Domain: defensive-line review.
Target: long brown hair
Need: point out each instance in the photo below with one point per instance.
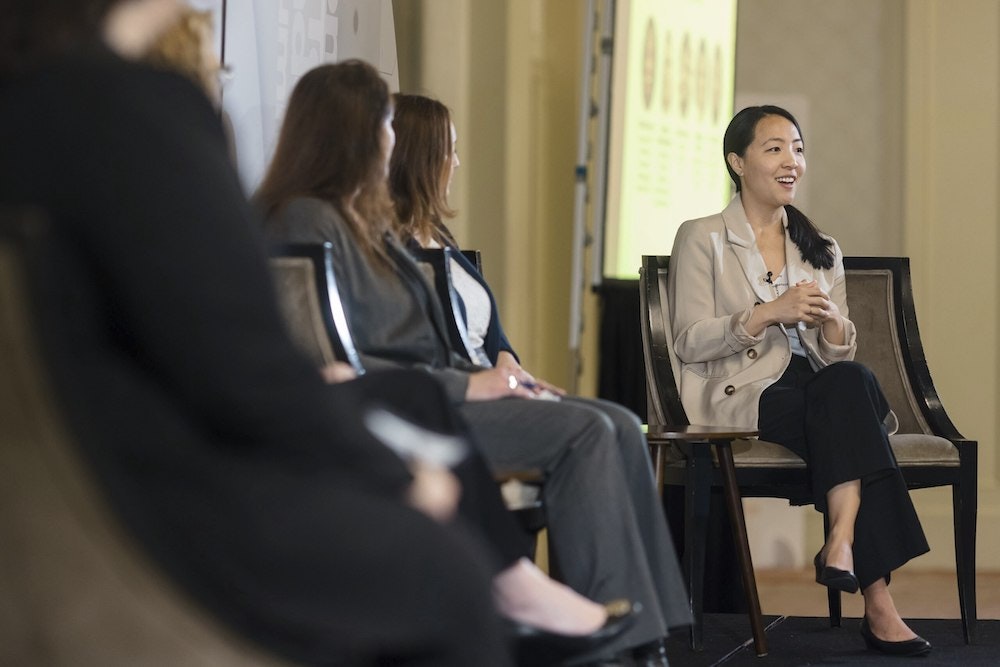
(418, 170)
(331, 147)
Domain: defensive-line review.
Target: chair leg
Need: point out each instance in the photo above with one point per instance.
(696, 505)
(735, 503)
(659, 461)
(832, 594)
(964, 508)
(833, 603)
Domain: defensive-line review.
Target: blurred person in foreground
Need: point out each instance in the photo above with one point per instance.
(249, 480)
(187, 46)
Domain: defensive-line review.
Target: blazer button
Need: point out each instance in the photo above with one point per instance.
(752, 353)
(730, 390)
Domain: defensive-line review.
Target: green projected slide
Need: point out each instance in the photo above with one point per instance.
(672, 99)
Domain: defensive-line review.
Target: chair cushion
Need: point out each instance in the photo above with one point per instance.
(911, 449)
(751, 453)
(918, 449)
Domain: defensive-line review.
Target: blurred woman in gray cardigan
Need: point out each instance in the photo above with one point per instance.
(607, 533)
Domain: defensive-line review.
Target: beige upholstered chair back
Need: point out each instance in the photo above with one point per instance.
(298, 297)
(873, 310)
(74, 588)
(310, 300)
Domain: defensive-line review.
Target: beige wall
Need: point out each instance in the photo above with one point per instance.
(952, 170)
(904, 159)
(509, 72)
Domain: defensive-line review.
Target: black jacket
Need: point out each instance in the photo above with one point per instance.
(251, 481)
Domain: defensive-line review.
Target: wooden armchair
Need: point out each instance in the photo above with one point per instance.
(311, 304)
(436, 264)
(928, 448)
(75, 589)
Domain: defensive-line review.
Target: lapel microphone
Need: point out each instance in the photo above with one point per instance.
(767, 278)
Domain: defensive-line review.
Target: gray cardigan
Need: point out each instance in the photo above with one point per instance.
(394, 315)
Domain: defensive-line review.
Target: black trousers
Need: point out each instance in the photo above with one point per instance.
(832, 418)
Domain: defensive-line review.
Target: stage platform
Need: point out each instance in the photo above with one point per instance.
(811, 641)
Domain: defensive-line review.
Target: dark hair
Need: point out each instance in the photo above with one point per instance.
(33, 31)
(814, 247)
(330, 147)
(418, 170)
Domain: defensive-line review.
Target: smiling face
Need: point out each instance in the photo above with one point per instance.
(773, 163)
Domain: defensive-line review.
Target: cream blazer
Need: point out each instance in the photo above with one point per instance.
(717, 276)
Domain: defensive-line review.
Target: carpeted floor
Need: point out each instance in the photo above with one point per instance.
(811, 641)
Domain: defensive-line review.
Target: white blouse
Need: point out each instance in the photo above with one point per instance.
(779, 285)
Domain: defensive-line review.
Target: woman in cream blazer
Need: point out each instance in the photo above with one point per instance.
(716, 265)
(758, 308)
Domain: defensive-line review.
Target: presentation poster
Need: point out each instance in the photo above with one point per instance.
(672, 99)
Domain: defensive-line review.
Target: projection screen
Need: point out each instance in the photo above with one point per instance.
(672, 98)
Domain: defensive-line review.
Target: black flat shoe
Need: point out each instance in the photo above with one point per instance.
(833, 577)
(911, 648)
(536, 647)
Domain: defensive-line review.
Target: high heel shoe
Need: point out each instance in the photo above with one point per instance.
(834, 577)
(910, 648)
(536, 647)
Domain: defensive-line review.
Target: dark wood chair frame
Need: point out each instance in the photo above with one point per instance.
(440, 260)
(696, 473)
(331, 304)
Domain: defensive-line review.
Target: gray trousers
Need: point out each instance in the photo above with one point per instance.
(608, 536)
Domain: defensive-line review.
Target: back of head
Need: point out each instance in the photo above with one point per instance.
(418, 170)
(35, 31)
(330, 145)
(186, 46)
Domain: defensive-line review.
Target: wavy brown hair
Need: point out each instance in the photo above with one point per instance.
(331, 148)
(418, 170)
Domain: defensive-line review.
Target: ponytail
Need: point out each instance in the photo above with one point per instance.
(813, 246)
